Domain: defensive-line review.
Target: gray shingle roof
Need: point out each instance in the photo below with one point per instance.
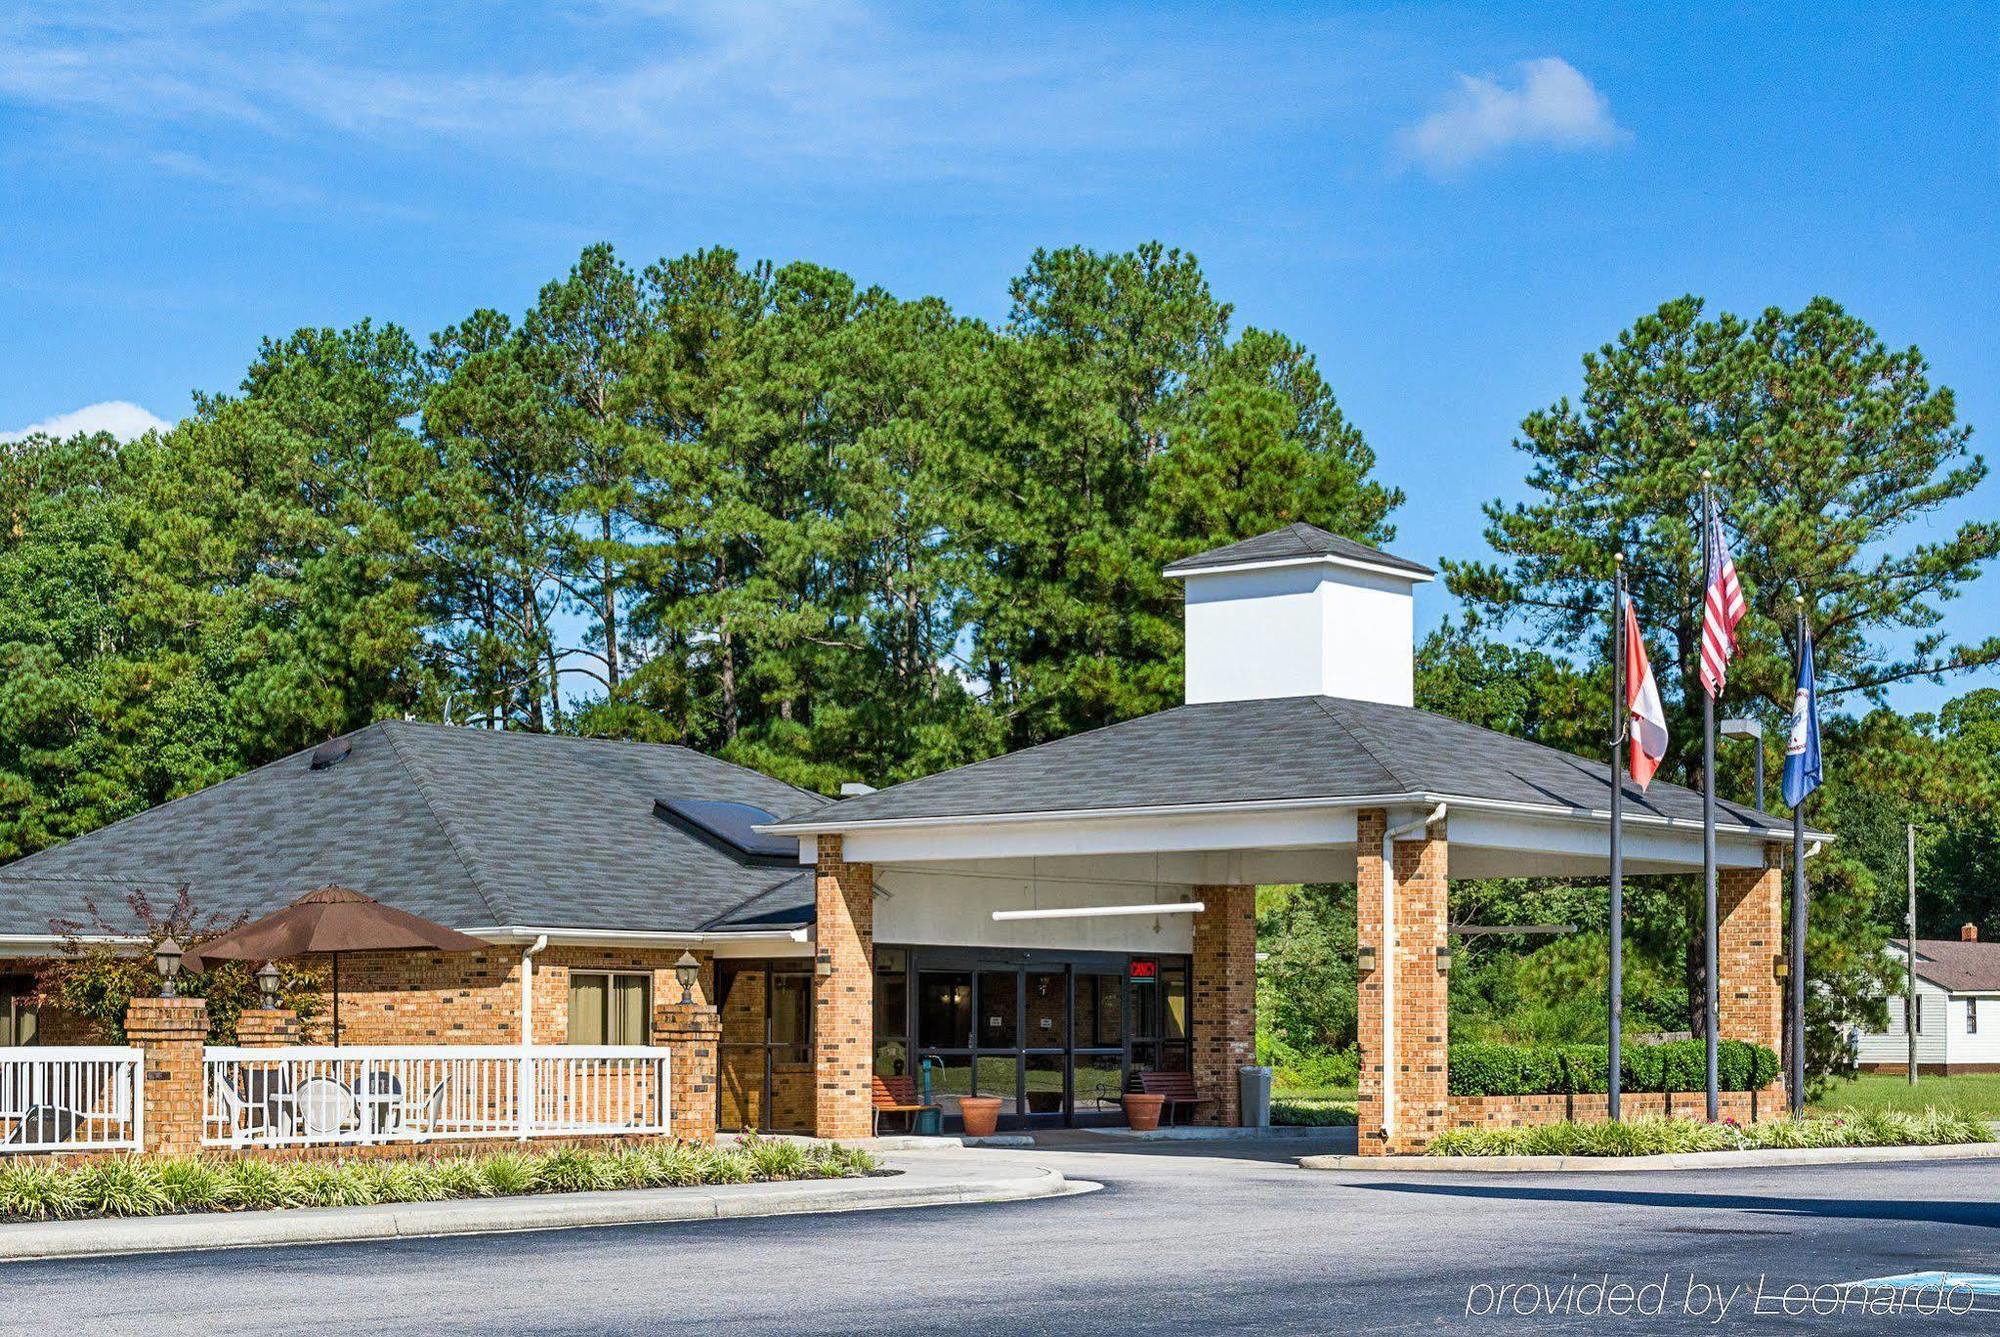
(1291, 543)
(1957, 966)
(467, 827)
(1301, 747)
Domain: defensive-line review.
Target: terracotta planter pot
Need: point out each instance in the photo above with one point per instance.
(980, 1113)
(1143, 1112)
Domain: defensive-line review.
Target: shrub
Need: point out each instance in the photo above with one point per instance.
(137, 1186)
(1586, 1068)
(1541, 1070)
(1317, 1071)
(1309, 1113)
(1654, 1137)
(1484, 1070)
(1679, 1065)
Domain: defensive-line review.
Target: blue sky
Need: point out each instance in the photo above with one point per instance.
(1449, 205)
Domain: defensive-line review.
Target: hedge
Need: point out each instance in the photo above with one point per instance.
(1653, 1137)
(1535, 1070)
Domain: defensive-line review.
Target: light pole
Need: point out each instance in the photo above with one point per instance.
(1910, 1013)
(1752, 729)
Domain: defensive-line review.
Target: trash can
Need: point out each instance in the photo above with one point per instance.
(930, 1120)
(1256, 1088)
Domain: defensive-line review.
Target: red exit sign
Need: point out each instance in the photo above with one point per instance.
(1145, 970)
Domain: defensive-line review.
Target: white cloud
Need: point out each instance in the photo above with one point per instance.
(122, 419)
(1550, 103)
(646, 91)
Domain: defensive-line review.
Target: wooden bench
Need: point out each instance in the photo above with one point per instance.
(897, 1095)
(1177, 1087)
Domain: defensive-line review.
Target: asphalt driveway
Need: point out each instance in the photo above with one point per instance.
(1183, 1237)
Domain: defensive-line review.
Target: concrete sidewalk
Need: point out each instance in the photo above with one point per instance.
(930, 1179)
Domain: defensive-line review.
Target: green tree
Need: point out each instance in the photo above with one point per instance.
(1826, 448)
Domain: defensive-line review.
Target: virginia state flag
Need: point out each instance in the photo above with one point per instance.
(1802, 770)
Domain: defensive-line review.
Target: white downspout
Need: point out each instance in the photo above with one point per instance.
(524, 1092)
(1387, 965)
(528, 989)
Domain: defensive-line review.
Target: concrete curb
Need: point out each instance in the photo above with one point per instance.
(551, 1211)
(1692, 1160)
(1322, 1132)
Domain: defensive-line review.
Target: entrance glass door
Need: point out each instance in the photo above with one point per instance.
(1045, 1044)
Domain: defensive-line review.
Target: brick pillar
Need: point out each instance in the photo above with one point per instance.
(1422, 1096)
(1749, 919)
(267, 1028)
(1224, 1002)
(843, 994)
(172, 1032)
(690, 1032)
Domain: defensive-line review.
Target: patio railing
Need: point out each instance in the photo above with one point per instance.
(70, 1098)
(315, 1095)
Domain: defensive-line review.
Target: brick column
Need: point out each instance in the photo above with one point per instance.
(690, 1032)
(267, 1028)
(1224, 1002)
(1422, 1096)
(172, 1032)
(843, 994)
(1749, 919)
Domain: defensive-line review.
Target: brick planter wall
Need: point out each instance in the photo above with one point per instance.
(1533, 1111)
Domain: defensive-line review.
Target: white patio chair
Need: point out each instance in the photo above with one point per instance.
(326, 1108)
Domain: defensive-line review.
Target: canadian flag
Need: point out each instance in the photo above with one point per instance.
(1642, 703)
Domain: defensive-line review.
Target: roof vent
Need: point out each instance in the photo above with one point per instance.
(1969, 933)
(331, 751)
(728, 827)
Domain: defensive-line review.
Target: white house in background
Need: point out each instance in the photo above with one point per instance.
(1958, 1009)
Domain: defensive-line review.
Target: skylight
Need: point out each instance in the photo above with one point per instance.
(727, 827)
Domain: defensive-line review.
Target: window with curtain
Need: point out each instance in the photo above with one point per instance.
(609, 1008)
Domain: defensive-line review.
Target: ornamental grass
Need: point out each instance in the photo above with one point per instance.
(1660, 1137)
(36, 1190)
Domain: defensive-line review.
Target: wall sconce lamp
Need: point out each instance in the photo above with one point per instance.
(1780, 967)
(687, 970)
(1444, 959)
(1364, 960)
(267, 983)
(167, 960)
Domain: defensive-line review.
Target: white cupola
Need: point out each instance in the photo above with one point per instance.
(1299, 612)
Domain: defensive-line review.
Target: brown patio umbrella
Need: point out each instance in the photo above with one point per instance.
(331, 920)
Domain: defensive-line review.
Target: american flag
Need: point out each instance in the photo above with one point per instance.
(1722, 608)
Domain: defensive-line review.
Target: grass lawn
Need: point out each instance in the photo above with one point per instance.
(1973, 1092)
(1318, 1106)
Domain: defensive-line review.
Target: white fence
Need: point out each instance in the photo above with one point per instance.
(70, 1098)
(315, 1095)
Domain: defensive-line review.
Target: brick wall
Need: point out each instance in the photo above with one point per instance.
(1421, 1000)
(416, 998)
(1223, 1005)
(1530, 1111)
(843, 994)
(1749, 916)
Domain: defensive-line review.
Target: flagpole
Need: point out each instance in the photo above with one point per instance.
(1623, 714)
(1798, 1073)
(1708, 820)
